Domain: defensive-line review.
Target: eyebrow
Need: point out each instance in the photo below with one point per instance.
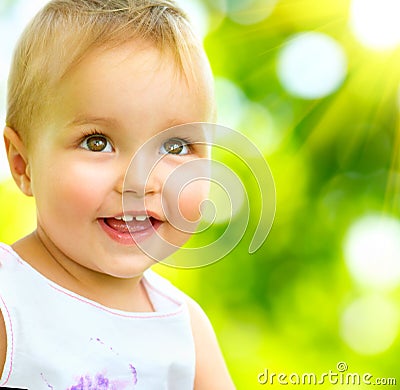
(82, 120)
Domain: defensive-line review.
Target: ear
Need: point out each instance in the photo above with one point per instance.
(18, 160)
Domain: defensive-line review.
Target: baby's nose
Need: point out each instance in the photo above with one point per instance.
(141, 176)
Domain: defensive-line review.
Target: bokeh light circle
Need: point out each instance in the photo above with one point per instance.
(372, 251)
(253, 119)
(375, 23)
(230, 102)
(312, 65)
(168, 243)
(369, 325)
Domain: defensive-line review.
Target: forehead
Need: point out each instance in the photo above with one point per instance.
(138, 78)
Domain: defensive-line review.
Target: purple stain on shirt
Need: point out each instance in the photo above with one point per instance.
(78, 386)
(100, 382)
(47, 383)
(98, 340)
(134, 372)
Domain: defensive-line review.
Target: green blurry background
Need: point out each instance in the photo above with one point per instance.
(323, 107)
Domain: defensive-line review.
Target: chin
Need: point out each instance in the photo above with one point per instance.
(129, 268)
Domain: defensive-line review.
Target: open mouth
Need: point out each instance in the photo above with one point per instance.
(129, 229)
(130, 224)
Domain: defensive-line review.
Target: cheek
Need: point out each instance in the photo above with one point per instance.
(183, 192)
(183, 211)
(72, 189)
(190, 199)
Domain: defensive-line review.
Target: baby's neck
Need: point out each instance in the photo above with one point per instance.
(126, 294)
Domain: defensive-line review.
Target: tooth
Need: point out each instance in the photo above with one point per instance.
(119, 218)
(127, 218)
(141, 218)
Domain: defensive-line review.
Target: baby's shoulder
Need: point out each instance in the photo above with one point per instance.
(163, 294)
(211, 370)
(11, 266)
(157, 283)
(8, 257)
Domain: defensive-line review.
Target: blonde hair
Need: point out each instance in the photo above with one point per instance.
(64, 31)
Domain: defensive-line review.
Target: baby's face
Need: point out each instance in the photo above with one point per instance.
(104, 111)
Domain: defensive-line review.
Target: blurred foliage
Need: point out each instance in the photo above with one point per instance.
(5, 5)
(336, 161)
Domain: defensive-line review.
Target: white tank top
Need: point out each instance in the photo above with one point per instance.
(59, 340)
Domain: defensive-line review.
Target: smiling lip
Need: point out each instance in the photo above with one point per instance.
(129, 233)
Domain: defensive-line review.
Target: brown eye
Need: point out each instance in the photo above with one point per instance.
(97, 143)
(175, 146)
